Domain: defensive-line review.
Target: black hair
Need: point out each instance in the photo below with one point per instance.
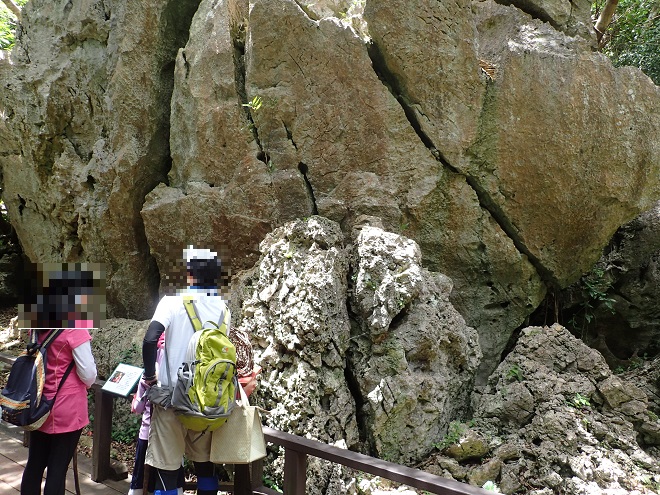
(205, 272)
(55, 305)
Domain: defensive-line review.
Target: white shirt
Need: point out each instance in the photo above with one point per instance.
(171, 313)
(85, 365)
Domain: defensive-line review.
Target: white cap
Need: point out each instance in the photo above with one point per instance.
(190, 253)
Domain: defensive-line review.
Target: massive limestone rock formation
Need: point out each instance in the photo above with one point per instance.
(87, 101)
(494, 136)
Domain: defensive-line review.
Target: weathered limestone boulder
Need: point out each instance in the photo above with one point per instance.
(296, 314)
(413, 358)
(384, 377)
(580, 429)
(647, 378)
(531, 156)
(87, 102)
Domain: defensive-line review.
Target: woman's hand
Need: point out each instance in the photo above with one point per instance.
(249, 382)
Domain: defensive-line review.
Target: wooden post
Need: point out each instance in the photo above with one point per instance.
(295, 472)
(242, 484)
(257, 473)
(102, 432)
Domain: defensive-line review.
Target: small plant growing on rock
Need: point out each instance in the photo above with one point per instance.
(515, 373)
(595, 287)
(454, 433)
(580, 401)
(491, 487)
(255, 103)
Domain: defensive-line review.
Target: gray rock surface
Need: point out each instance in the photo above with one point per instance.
(383, 377)
(136, 132)
(559, 422)
(119, 340)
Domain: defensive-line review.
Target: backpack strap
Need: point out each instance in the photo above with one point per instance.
(64, 377)
(192, 314)
(189, 304)
(44, 345)
(33, 346)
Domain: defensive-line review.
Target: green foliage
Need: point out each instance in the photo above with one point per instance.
(595, 287)
(633, 37)
(8, 25)
(633, 364)
(254, 104)
(515, 373)
(128, 431)
(491, 487)
(454, 433)
(580, 401)
(269, 483)
(130, 355)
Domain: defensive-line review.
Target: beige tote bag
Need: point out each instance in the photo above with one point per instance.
(240, 440)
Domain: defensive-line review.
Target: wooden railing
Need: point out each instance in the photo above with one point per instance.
(248, 478)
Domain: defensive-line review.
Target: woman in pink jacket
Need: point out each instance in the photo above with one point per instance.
(52, 446)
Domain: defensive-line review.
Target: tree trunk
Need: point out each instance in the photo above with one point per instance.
(605, 18)
(16, 10)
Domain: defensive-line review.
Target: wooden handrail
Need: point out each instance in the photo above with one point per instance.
(411, 477)
(247, 478)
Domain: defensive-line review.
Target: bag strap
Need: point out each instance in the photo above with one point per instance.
(189, 304)
(64, 377)
(33, 346)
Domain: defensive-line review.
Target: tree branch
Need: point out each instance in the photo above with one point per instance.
(16, 10)
(605, 18)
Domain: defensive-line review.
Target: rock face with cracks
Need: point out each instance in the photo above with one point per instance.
(493, 136)
(557, 420)
(384, 375)
(476, 129)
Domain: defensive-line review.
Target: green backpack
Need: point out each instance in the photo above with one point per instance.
(205, 391)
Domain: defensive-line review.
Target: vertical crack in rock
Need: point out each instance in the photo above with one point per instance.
(307, 11)
(310, 191)
(361, 416)
(174, 32)
(289, 135)
(485, 201)
(238, 35)
(185, 62)
(353, 355)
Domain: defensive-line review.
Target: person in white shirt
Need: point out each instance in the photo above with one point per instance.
(168, 438)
